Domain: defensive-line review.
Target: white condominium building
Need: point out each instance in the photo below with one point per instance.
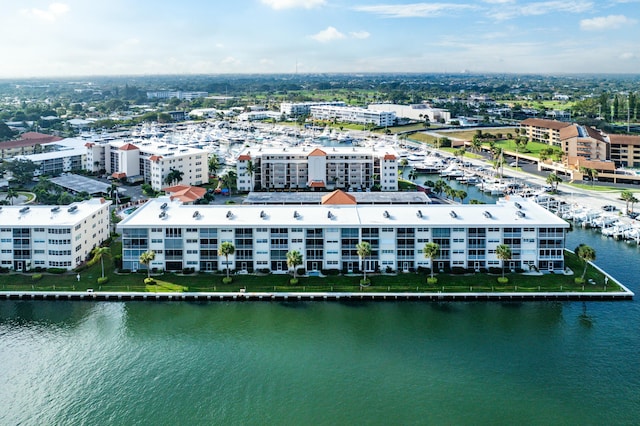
(52, 236)
(168, 94)
(189, 236)
(354, 115)
(148, 160)
(319, 169)
(295, 109)
(419, 112)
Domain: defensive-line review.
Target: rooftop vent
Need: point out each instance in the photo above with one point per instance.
(229, 214)
(164, 206)
(386, 214)
(518, 205)
(419, 214)
(453, 214)
(55, 209)
(296, 215)
(330, 215)
(24, 209)
(163, 215)
(263, 215)
(520, 214)
(487, 214)
(196, 214)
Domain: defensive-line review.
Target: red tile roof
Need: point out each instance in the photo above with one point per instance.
(317, 184)
(118, 175)
(389, 157)
(128, 147)
(185, 193)
(624, 140)
(155, 157)
(338, 197)
(39, 137)
(244, 157)
(317, 153)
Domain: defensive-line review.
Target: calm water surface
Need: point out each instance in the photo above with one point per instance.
(66, 363)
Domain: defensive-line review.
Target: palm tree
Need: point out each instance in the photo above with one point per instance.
(633, 200)
(11, 194)
(431, 251)
(251, 169)
(98, 254)
(503, 252)
(476, 145)
(586, 254)
(404, 162)
(553, 179)
(214, 164)
(294, 259)
(174, 176)
(462, 194)
(626, 195)
(364, 250)
(146, 258)
(226, 249)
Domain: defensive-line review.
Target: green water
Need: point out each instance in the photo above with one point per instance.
(71, 363)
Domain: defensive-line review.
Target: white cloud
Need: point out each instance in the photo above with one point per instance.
(53, 12)
(230, 60)
(290, 4)
(359, 34)
(610, 22)
(327, 35)
(414, 10)
(540, 8)
(627, 55)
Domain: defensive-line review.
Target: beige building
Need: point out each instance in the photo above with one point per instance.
(304, 168)
(583, 142)
(625, 150)
(541, 130)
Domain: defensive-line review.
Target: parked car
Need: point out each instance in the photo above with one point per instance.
(609, 208)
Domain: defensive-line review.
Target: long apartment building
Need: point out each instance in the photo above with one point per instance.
(147, 160)
(583, 143)
(354, 115)
(188, 236)
(542, 130)
(51, 236)
(296, 109)
(307, 168)
(625, 150)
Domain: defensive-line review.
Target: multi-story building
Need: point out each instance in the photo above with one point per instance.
(57, 157)
(189, 236)
(625, 150)
(168, 94)
(29, 143)
(354, 115)
(147, 160)
(304, 168)
(584, 143)
(296, 109)
(419, 112)
(52, 236)
(542, 130)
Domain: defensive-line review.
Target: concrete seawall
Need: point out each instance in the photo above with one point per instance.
(315, 296)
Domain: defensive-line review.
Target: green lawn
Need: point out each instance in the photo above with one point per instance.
(402, 282)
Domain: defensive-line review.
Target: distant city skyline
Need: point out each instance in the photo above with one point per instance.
(119, 37)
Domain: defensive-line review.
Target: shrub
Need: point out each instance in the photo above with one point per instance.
(578, 280)
(36, 277)
(388, 269)
(364, 282)
(432, 281)
(56, 270)
(149, 281)
(103, 280)
(227, 280)
(503, 280)
(264, 270)
(125, 271)
(293, 281)
(187, 271)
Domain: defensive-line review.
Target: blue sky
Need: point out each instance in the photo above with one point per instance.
(107, 37)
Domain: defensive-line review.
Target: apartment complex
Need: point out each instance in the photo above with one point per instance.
(52, 236)
(57, 157)
(354, 115)
(308, 168)
(625, 150)
(420, 112)
(188, 236)
(168, 94)
(297, 109)
(29, 143)
(147, 160)
(583, 143)
(542, 130)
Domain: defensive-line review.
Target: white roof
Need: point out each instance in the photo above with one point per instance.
(155, 147)
(68, 147)
(503, 214)
(50, 216)
(329, 150)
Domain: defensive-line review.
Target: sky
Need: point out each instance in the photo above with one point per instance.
(42, 38)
